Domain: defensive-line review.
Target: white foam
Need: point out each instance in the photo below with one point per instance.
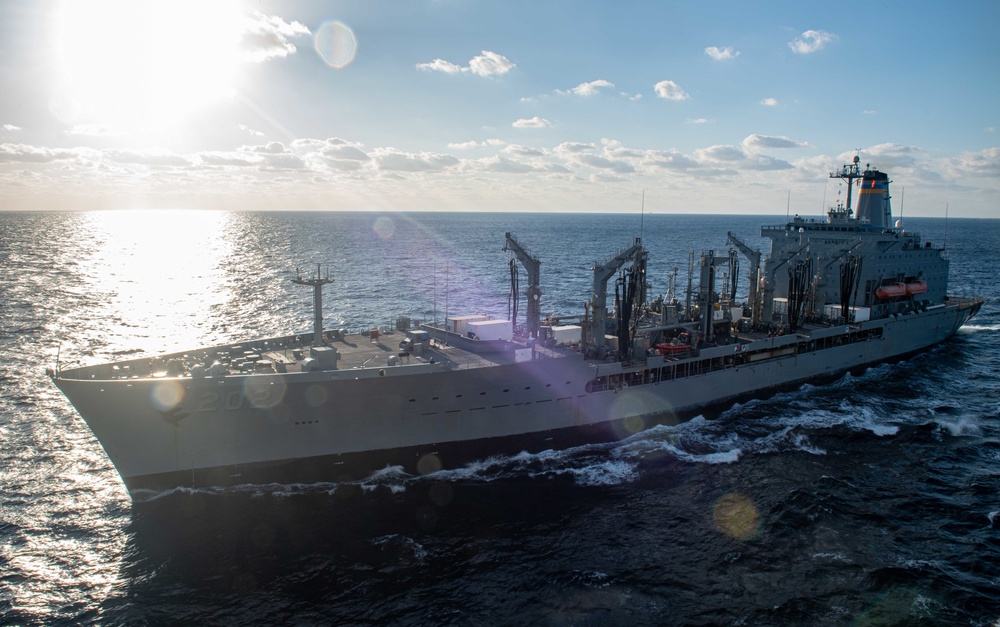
(959, 426)
(720, 457)
(802, 443)
(973, 328)
(603, 474)
(837, 557)
(392, 477)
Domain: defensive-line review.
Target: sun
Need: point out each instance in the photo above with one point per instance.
(132, 65)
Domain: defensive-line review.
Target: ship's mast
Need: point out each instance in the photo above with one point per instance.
(317, 284)
(849, 173)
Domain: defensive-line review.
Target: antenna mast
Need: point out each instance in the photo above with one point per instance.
(849, 173)
(317, 284)
(945, 246)
(642, 213)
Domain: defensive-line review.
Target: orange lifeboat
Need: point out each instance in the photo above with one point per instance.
(672, 349)
(916, 287)
(892, 290)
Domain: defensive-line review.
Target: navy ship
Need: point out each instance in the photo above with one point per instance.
(830, 296)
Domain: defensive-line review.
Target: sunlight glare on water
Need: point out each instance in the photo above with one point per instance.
(156, 271)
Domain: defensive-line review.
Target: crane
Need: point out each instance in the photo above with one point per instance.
(753, 256)
(599, 293)
(534, 292)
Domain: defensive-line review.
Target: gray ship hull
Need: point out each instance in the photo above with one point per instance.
(330, 425)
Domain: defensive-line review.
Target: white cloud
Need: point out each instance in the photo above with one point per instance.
(505, 173)
(615, 165)
(669, 160)
(721, 54)
(989, 129)
(719, 153)
(523, 151)
(247, 129)
(605, 178)
(633, 97)
(869, 112)
(888, 156)
(391, 159)
(983, 163)
(670, 91)
(698, 121)
(763, 163)
(811, 41)
(469, 145)
(21, 153)
(273, 148)
(486, 64)
(505, 166)
(613, 148)
(92, 130)
(282, 161)
(591, 88)
(11, 127)
(153, 158)
(222, 158)
(490, 64)
(440, 65)
(268, 37)
(574, 147)
(769, 102)
(349, 152)
(753, 143)
(534, 122)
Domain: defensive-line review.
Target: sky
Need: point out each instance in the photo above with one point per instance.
(475, 105)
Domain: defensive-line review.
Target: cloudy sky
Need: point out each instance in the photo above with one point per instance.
(476, 105)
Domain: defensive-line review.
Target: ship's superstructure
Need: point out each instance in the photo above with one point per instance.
(831, 295)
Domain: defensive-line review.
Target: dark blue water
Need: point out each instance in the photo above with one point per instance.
(872, 500)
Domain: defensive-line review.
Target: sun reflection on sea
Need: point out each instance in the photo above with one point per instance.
(157, 274)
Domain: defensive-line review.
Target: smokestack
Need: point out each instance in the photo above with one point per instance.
(873, 199)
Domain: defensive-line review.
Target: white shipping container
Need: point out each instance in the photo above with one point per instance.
(567, 334)
(459, 324)
(857, 314)
(491, 329)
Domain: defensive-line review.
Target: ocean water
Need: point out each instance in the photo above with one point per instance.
(871, 500)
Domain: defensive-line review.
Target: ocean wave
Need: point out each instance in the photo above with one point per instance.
(960, 426)
(977, 328)
(403, 550)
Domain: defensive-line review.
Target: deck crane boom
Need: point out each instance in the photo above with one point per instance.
(599, 293)
(753, 256)
(534, 292)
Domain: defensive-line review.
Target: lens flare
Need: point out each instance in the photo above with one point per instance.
(167, 394)
(428, 464)
(384, 227)
(315, 395)
(640, 409)
(264, 392)
(335, 44)
(736, 516)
